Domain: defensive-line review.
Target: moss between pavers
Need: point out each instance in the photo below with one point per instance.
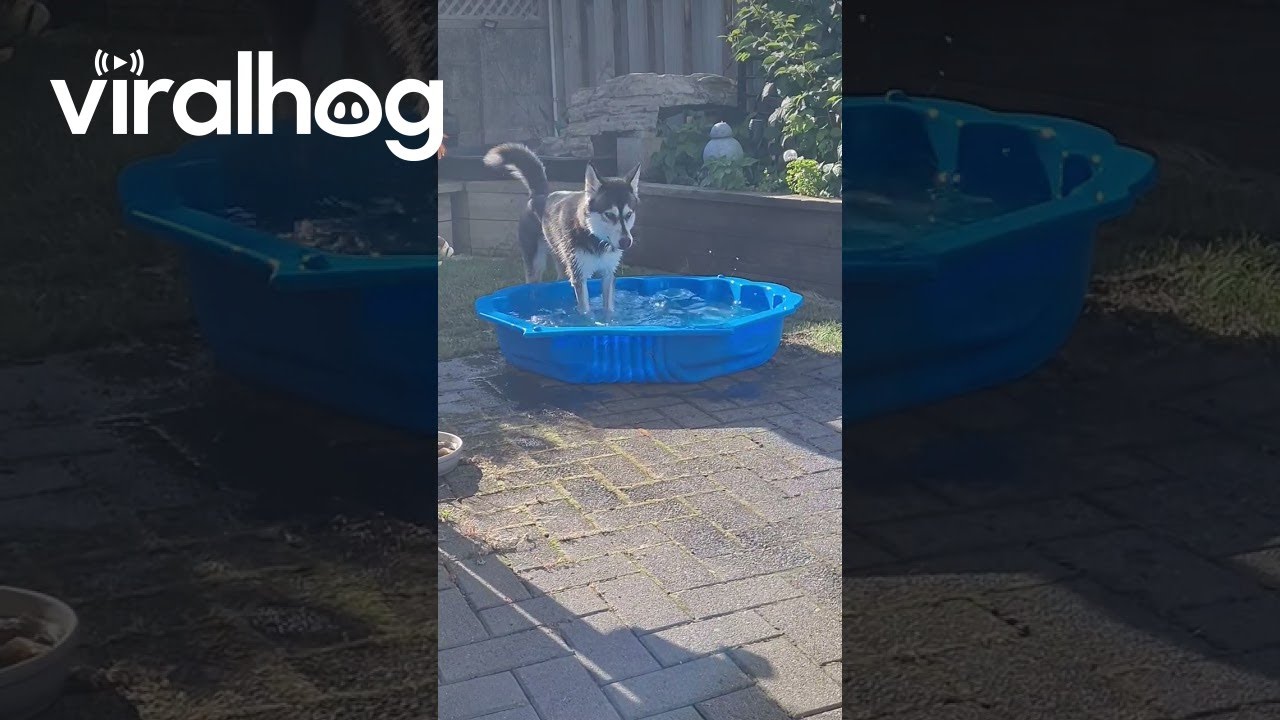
(205, 628)
(203, 671)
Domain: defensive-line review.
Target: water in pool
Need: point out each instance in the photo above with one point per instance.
(672, 308)
(373, 226)
(876, 221)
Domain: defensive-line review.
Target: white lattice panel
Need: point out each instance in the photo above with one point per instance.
(496, 9)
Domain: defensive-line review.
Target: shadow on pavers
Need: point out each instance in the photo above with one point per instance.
(1117, 509)
(200, 617)
(267, 629)
(778, 420)
(570, 654)
(314, 459)
(228, 553)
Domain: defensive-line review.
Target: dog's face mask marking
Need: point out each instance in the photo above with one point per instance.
(611, 204)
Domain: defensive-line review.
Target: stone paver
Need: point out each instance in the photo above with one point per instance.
(747, 704)
(642, 603)
(687, 713)
(659, 505)
(487, 584)
(787, 677)
(521, 713)
(499, 654)
(459, 624)
(677, 569)
(579, 574)
(481, 697)
(704, 637)
(672, 688)
(805, 624)
(562, 690)
(728, 597)
(608, 648)
(553, 609)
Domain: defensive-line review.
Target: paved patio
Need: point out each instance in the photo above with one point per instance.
(230, 555)
(236, 555)
(667, 552)
(1100, 541)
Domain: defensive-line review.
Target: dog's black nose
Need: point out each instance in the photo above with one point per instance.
(624, 242)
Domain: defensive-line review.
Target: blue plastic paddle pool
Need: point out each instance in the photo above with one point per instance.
(665, 329)
(282, 235)
(968, 243)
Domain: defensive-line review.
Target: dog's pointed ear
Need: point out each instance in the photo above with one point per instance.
(593, 180)
(633, 179)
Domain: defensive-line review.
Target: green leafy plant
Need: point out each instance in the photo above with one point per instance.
(797, 44)
(810, 177)
(804, 176)
(679, 160)
(725, 173)
(770, 180)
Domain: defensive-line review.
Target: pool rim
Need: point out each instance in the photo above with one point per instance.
(487, 309)
(1120, 175)
(150, 199)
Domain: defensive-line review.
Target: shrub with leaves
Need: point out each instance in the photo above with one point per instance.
(723, 173)
(797, 44)
(679, 160)
(804, 177)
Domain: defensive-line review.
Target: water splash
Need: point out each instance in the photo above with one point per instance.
(944, 136)
(1054, 159)
(672, 308)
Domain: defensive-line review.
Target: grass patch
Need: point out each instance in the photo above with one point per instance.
(1229, 286)
(1203, 248)
(463, 279)
(816, 325)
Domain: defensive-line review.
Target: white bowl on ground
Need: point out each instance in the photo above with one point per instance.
(31, 686)
(445, 463)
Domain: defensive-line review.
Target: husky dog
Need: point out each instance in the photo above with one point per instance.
(586, 230)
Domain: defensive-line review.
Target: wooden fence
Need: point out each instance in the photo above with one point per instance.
(503, 60)
(495, 62)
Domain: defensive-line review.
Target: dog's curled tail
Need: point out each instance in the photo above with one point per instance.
(523, 165)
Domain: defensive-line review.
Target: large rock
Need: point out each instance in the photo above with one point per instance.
(566, 146)
(630, 103)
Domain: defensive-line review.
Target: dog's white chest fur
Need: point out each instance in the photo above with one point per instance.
(593, 264)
